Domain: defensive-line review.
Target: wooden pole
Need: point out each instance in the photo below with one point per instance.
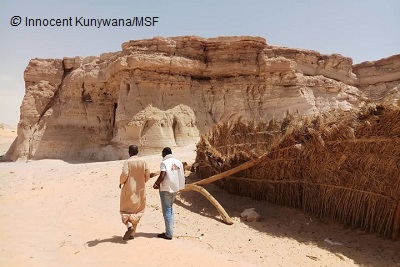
(227, 173)
(241, 167)
(396, 223)
(195, 186)
(204, 192)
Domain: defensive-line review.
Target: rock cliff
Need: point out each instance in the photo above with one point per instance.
(167, 91)
(380, 80)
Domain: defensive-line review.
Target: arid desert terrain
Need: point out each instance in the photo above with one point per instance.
(58, 213)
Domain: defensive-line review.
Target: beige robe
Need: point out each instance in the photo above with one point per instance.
(135, 174)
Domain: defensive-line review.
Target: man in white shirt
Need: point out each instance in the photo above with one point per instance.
(169, 182)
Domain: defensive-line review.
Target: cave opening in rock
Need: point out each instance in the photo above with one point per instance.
(114, 113)
(174, 127)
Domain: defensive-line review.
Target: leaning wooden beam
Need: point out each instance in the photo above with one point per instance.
(195, 186)
(204, 192)
(241, 167)
(230, 172)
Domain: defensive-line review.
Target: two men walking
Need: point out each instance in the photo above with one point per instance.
(135, 174)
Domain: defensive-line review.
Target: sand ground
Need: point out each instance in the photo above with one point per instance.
(58, 213)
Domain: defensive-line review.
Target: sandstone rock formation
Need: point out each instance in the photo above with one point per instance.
(166, 91)
(380, 80)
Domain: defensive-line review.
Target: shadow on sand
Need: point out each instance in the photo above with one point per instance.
(115, 239)
(282, 222)
(118, 239)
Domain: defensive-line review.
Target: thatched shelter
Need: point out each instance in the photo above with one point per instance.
(340, 165)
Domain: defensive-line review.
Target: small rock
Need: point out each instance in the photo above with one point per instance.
(250, 215)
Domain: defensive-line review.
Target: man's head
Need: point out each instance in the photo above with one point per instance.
(166, 151)
(133, 150)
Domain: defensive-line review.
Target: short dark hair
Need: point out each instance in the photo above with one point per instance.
(133, 150)
(166, 151)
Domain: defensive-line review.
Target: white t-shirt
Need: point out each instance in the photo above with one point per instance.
(174, 179)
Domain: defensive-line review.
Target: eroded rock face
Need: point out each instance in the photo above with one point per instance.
(167, 91)
(380, 80)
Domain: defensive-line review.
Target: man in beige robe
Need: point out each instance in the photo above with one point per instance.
(135, 174)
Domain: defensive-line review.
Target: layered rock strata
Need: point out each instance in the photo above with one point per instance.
(167, 91)
(380, 80)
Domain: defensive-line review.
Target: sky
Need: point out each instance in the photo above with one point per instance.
(362, 30)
